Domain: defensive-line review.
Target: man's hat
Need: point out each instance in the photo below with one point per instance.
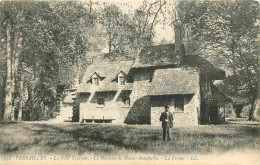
(166, 106)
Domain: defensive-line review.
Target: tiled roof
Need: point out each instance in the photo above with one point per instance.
(152, 56)
(109, 71)
(158, 55)
(174, 81)
(205, 66)
(165, 55)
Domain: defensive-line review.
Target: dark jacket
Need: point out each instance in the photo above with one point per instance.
(164, 116)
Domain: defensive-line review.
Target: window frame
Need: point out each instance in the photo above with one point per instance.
(124, 100)
(179, 103)
(120, 82)
(96, 83)
(100, 105)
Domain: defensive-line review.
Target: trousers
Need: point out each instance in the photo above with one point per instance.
(166, 131)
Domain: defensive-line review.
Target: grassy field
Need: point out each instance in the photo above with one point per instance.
(46, 138)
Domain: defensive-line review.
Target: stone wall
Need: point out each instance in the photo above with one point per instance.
(188, 117)
(140, 111)
(113, 109)
(191, 111)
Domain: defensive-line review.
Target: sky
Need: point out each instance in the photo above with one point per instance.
(162, 32)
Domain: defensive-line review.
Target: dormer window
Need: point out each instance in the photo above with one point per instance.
(121, 79)
(95, 79)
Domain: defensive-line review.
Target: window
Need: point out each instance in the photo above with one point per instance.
(126, 101)
(101, 101)
(121, 80)
(96, 81)
(179, 103)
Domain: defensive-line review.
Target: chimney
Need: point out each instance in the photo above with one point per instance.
(179, 48)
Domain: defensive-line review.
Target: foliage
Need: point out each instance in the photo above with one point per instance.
(229, 30)
(53, 38)
(128, 33)
(117, 29)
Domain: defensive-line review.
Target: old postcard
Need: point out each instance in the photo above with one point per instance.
(129, 82)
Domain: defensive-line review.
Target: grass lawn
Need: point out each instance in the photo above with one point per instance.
(46, 138)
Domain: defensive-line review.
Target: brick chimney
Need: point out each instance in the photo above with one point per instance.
(179, 47)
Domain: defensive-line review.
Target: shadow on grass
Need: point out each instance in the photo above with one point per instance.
(3, 124)
(95, 138)
(13, 147)
(114, 139)
(249, 131)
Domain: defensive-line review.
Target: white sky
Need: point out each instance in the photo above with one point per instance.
(128, 6)
(162, 31)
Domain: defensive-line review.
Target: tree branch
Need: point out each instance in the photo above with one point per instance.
(147, 15)
(154, 18)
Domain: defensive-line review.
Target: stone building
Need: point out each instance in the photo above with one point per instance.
(135, 92)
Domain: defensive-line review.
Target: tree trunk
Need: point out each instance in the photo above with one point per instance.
(8, 114)
(16, 78)
(257, 106)
(252, 109)
(257, 109)
(21, 99)
(2, 90)
(12, 54)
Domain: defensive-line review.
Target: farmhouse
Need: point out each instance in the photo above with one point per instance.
(135, 92)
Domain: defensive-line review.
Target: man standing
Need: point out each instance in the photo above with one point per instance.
(166, 119)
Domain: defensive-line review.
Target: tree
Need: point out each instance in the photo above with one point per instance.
(228, 29)
(145, 18)
(62, 41)
(2, 84)
(128, 33)
(11, 19)
(40, 40)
